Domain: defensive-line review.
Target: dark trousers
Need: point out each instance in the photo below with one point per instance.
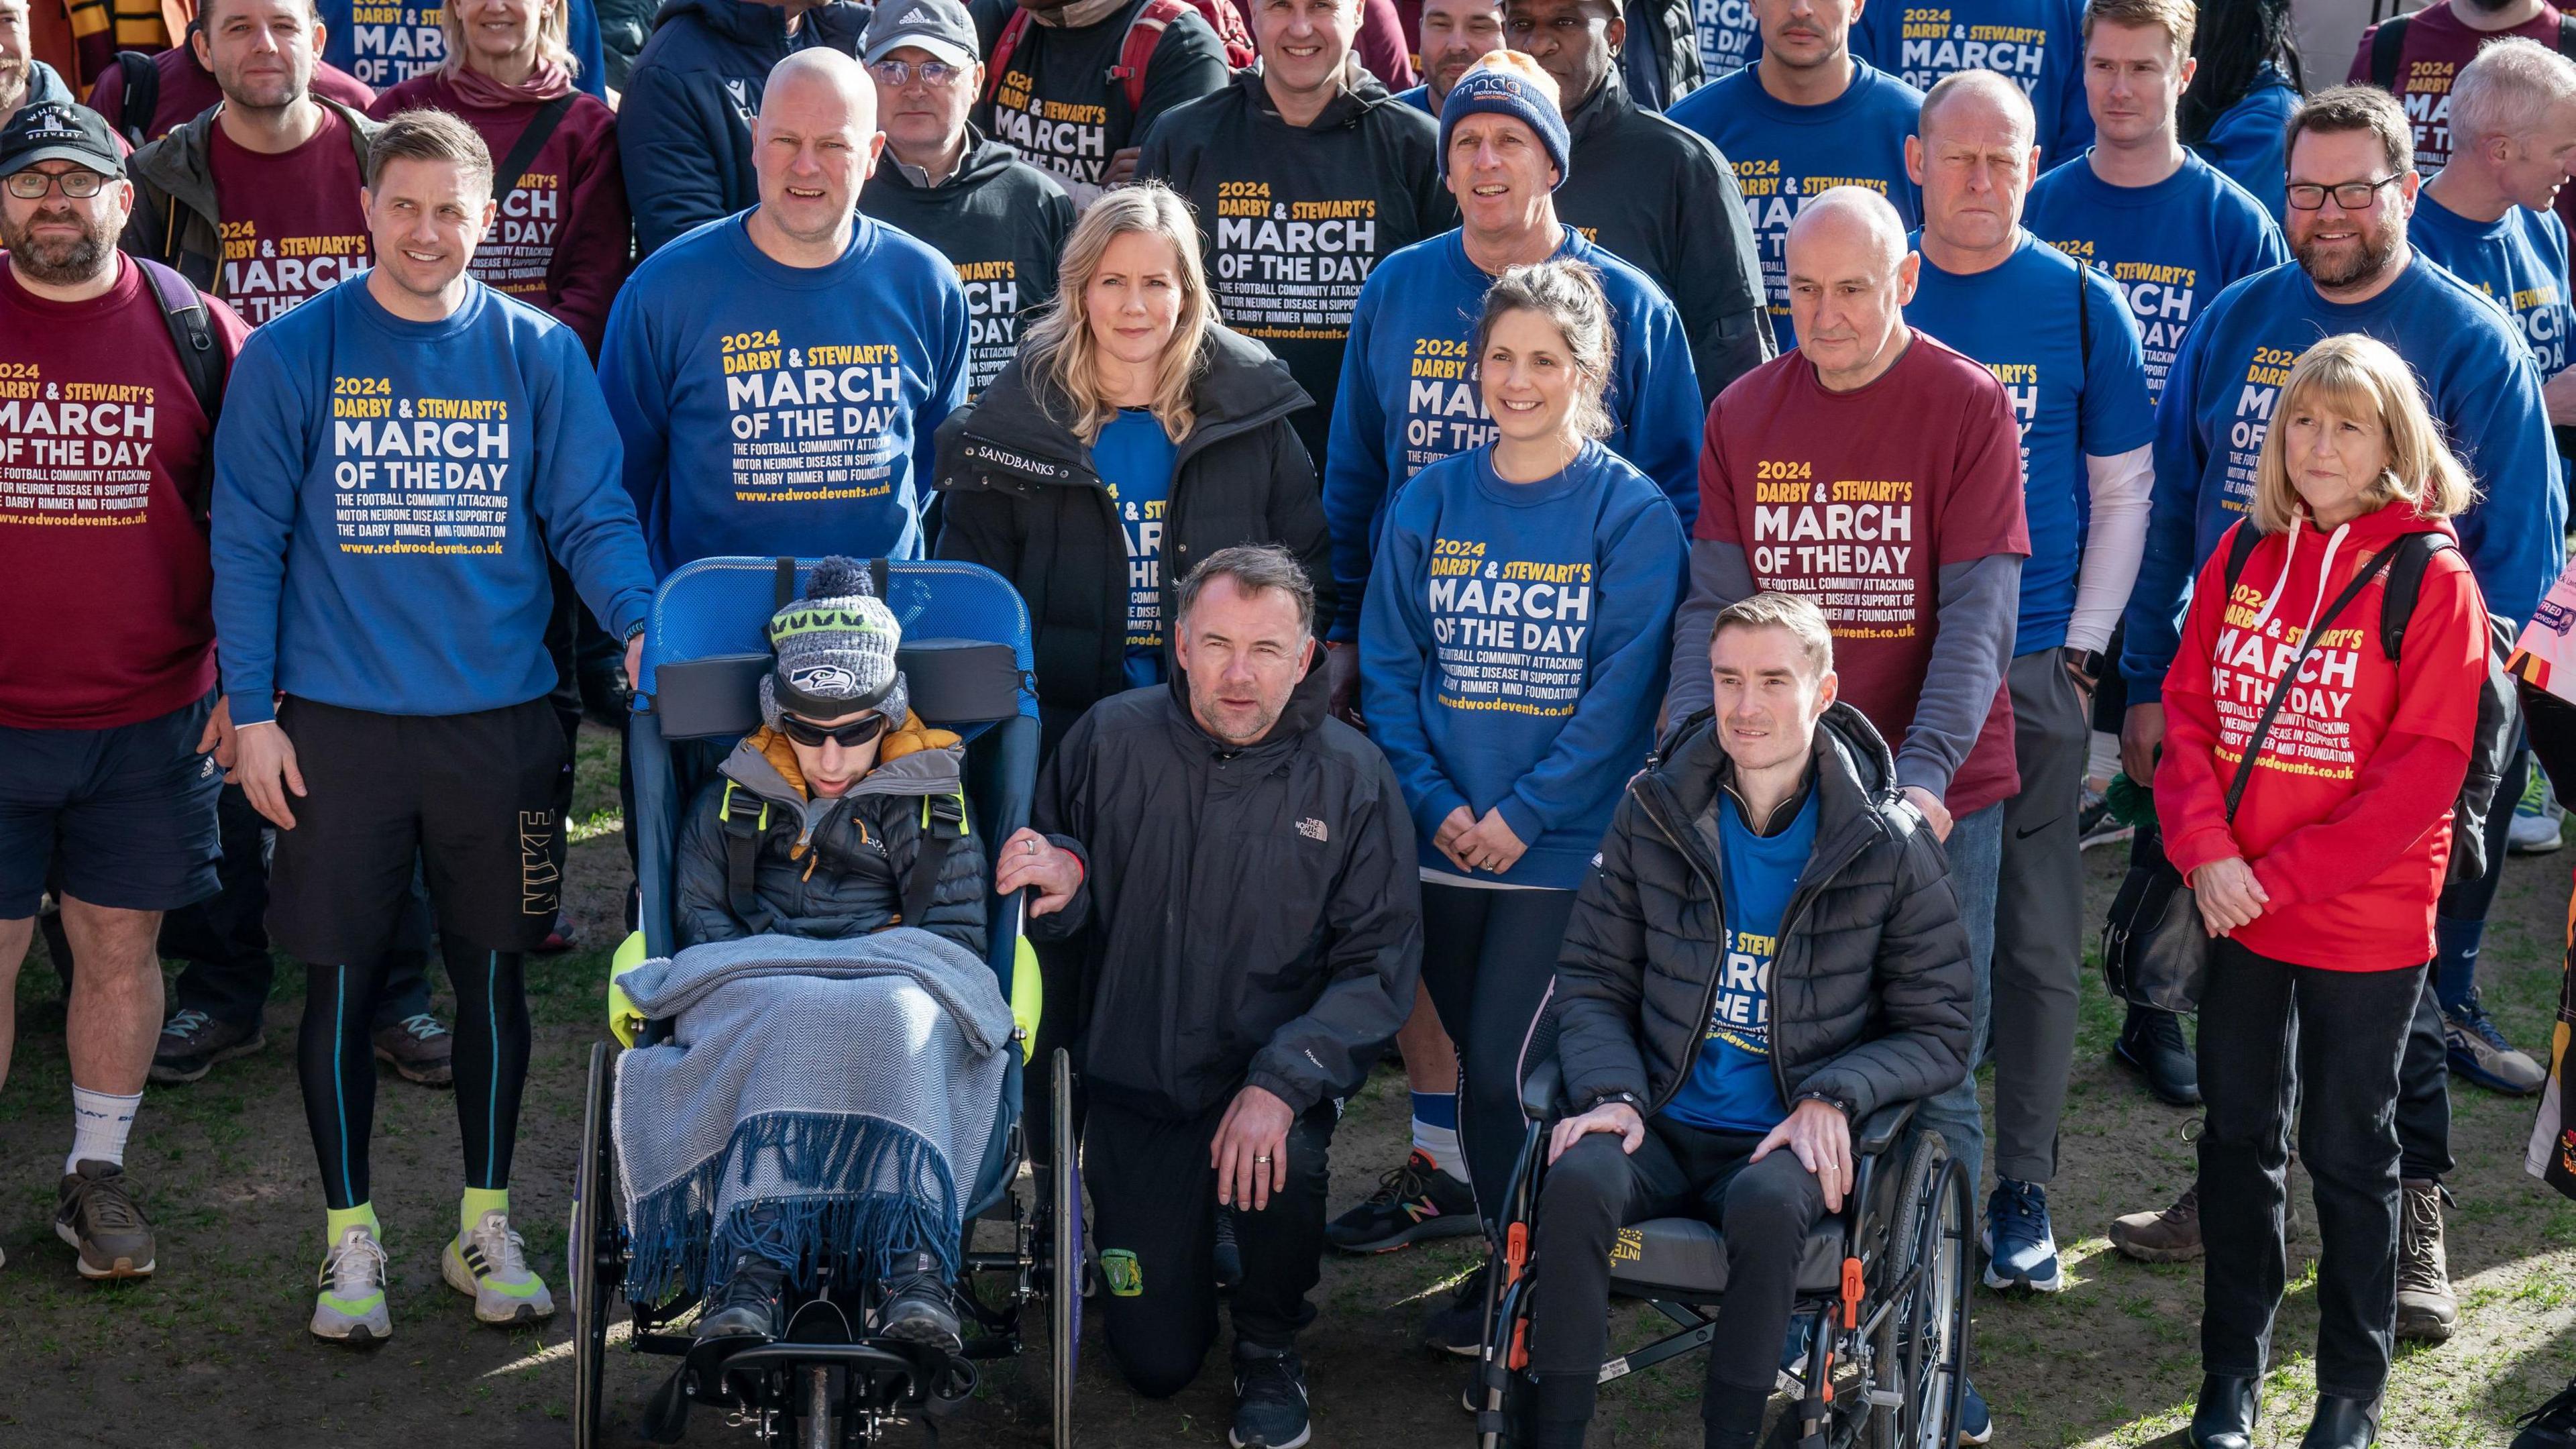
(1488, 958)
(1765, 1208)
(1153, 1219)
(2350, 1032)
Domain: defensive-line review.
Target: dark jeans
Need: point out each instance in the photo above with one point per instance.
(2350, 1032)
(1488, 959)
(1153, 1218)
(1765, 1209)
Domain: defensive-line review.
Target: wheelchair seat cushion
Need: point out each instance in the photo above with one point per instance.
(1685, 1258)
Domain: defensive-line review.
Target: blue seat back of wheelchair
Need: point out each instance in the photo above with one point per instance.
(714, 610)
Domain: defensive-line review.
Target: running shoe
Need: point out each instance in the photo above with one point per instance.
(1269, 1399)
(489, 1263)
(1413, 1203)
(2020, 1250)
(1458, 1326)
(751, 1303)
(2095, 825)
(419, 1048)
(2151, 1044)
(350, 1306)
(2536, 818)
(1976, 1423)
(2480, 1053)
(193, 1044)
(95, 1213)
(2552, 1425)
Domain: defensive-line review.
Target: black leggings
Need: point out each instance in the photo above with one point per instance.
(1488, 958)
(335, 1059)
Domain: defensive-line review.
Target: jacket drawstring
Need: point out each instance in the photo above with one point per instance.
(2280, 584)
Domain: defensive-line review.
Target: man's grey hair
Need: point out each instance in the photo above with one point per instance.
(2510, 89)
(1254, 567)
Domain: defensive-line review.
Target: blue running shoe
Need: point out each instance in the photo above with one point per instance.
(1976, 1426)
(2020, 1251)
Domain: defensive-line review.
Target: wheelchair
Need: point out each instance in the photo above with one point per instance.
(1882, 1290)
(825, 1384)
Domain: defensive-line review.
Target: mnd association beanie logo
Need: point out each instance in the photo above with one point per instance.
(1488, 92)
(835, 650)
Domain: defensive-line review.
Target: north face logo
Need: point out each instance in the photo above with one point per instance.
(1312, 829)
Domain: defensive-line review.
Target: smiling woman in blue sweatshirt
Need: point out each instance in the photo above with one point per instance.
(1513, 652)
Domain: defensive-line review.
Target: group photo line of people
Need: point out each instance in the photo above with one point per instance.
(1616, 556)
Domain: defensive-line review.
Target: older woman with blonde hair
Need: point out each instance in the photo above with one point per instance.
(2306, 792)
(1133, 435)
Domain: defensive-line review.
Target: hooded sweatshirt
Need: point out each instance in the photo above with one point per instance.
(684, 121)
(2347, 817)
(184, 89)
(1057, 102)
(561, 239)
(1293, 219)
(384, 45)
(1000, 221)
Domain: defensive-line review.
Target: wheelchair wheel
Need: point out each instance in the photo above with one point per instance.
(1920, 1361)
(1064, 1287)
(591, 1267)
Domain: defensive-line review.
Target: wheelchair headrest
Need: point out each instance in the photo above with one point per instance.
(953, 682)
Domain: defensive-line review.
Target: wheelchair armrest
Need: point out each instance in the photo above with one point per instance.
(1543, 1090)
(1878, 1131)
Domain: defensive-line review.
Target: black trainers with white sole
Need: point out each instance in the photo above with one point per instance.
(1269, 1399)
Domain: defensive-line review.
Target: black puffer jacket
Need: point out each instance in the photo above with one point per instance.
(1869, 988)
(1022, 499)
(1248, 916)
(830, 869)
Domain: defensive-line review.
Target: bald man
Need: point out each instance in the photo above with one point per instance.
(777, 375)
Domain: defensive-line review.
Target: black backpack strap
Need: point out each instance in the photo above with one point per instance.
(2408, 558)
(746, 819)
(943, 824)
(523, 152)
(140, 81)
(877, 582)
(2240, 547)
(2387, 44)
(201, 356)
(2290, 675)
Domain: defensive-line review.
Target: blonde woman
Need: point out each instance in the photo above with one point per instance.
(2317, 883)
(1133, 436)
(560, 242)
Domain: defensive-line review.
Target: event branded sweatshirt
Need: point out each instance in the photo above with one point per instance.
(102, 482)
(1057, 101)
(1784, 155)
(1731, 1087)
(1730, 39)
(1294, 218)
(386, 44)
(2480, 380)
(560, 241)
(183, 89)
(264, 232)
(387, 493)
(1000, 222)
(2036, 44)
(2437, 45)
(2249, 140)
(1409, 396)
(771, 409)
(2169, 248)
(1514, 650)
(2077, 386)
(2346, 819)
(2518, 260)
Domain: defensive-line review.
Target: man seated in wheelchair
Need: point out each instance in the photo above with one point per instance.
(833, 1080)
(1722, 1079)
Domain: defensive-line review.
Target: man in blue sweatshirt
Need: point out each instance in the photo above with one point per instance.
(778, 376)
(396, 461)
(2352, 183)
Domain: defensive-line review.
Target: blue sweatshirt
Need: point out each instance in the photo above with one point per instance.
(1729, 37)
(2170, 248)
(1409, 395)
(2019, 319)
(770, 409)
(2484, 390)
(1731, 1087)
(1514, 649)
(1419, 98)
(2247, 141)
(383, 52)
(2038, 44)
(1785, 154)
(386, 493)
(2519, 261)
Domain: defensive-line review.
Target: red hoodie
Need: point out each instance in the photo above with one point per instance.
(2347, 819)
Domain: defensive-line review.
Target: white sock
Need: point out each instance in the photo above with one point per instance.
(1440, 1144)
(100, 1123)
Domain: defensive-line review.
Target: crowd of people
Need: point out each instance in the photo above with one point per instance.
(1745, 499)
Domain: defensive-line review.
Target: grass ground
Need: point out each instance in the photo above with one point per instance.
(212, 1351)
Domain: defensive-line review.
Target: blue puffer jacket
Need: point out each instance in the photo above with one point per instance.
(684, 124)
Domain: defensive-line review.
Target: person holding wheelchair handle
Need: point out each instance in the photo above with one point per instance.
(1767, 952)
(2317, 867)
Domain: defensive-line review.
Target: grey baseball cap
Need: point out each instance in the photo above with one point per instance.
(941, 27)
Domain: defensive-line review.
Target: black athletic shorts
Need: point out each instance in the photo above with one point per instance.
(471, 795)
(125, 815)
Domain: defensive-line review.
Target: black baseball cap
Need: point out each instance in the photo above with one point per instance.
(52, 131)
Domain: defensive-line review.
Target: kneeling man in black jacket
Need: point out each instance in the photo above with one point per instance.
(1767, 952)
(1236, 871)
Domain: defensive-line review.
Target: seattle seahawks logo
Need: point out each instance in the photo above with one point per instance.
(825, 679)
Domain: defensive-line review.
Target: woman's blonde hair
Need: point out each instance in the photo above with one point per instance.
(2361, 378)
(1063, 357)
(553, 43)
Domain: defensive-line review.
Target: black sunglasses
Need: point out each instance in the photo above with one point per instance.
(849, 736)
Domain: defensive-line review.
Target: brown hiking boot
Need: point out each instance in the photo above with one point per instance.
(421, 1048)
(2169, 1236)
(2426, 1310)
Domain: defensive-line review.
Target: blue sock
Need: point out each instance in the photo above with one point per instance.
(2455, 960)
(1435, 1131)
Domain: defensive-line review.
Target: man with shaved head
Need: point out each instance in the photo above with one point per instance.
(1876, 472)
(777, 375)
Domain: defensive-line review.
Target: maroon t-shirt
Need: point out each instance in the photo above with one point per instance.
(1857, 500)
(560, 241)
(103, 571)
(293, 222)
(2437, 45)
(187, 88)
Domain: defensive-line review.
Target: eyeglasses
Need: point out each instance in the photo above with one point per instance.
(78, 184)
(900, 72)
(849, 736)
(2351, 195)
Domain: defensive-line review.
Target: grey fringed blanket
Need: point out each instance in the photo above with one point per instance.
(839, 1086)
